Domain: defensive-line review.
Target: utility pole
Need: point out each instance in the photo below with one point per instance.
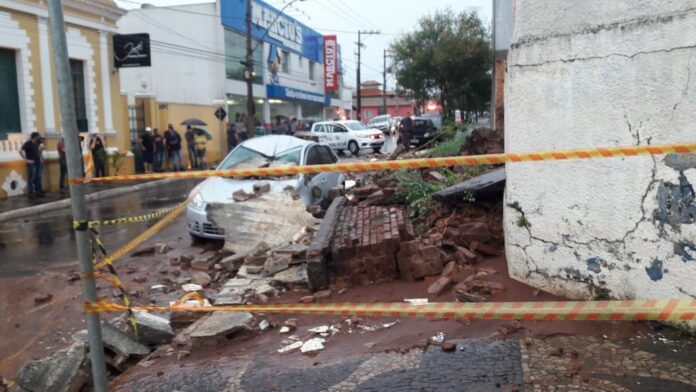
(384, 83)
(360, 45)
(77, 193)
(249, 76)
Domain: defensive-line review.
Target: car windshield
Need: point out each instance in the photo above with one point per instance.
(354, 125)
(244, 158)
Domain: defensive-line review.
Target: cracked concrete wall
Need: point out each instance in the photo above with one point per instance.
(589, 74)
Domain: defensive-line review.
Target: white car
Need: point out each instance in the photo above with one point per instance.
(264, 151)
(348, 135)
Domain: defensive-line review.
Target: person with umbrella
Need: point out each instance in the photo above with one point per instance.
(190, 136)
(201, 139)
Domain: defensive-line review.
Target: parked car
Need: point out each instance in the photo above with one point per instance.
(436, 119)
(348, 135)
(380, 122)
(264, 151)
(423, 130)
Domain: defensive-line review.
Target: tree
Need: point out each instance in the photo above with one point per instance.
(448, 58)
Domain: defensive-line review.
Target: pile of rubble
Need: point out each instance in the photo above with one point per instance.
(484, 141)
(459, 238)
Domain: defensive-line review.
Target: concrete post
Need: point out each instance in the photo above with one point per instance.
(77, 194)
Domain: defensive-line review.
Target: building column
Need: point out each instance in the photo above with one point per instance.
(106, 82)
(46, 78)
(266, 114)
(298, 111)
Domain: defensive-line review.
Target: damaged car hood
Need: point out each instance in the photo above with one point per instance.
(220, 190)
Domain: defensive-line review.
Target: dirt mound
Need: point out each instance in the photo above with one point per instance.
(484, 141)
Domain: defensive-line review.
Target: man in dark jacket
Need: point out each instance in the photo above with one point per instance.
(173, 141)
(31, 153)
(406, 131)
(191, 147)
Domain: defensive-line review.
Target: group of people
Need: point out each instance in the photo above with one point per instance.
(153, 146)
(236, 131)
(32, 153)
(287, 126)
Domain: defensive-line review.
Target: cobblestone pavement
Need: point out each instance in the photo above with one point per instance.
(563, 363)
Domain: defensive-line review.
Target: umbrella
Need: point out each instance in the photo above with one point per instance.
(204, 132)
(193, 121)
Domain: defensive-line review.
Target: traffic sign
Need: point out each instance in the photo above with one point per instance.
(220, 113)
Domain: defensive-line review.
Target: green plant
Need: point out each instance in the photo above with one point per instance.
(683, 331)
(116, 163)
(449, 146)
(522, 220)
(600, 293)
(417, 193)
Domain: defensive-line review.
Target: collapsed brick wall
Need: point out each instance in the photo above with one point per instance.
(365, 243)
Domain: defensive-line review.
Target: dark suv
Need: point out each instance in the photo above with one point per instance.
(423, 130)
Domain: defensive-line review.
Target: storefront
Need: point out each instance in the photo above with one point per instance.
(288, 60)
(291, 102)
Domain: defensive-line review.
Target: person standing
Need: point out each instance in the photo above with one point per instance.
(200, 141)
(173, 142)
(63, 161)
(241, 128)
(147, 149)
(232, 140)
(98, 148)
(31, 153)
(406, 131)
(159, 149)
(191, 147)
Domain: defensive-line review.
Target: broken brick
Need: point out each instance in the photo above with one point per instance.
(485, 249)
(440, 285)
(262, 187)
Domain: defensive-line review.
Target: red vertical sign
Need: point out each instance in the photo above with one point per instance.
(330, 63)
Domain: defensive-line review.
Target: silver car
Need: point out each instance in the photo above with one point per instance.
(264, 151)
(380, 122)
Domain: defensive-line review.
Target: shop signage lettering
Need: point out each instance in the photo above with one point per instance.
(288, 31)
(330, 63)
(282, 92)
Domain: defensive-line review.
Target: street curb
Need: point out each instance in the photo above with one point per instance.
(23, 212)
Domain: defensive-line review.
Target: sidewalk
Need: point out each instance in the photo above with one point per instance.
(21, 206)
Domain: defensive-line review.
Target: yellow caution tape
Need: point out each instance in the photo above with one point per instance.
(670, 309)
(465, 160)
(147, 234)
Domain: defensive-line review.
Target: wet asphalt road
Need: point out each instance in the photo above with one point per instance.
(46, 240)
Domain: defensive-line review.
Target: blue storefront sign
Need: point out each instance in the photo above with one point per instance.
(285, 32)
(293, 94)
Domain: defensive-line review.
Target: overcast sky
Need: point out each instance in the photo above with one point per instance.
(341, 17)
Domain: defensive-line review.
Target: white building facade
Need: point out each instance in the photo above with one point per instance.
(196, 64)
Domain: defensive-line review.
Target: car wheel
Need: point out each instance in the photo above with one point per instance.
(353, 147)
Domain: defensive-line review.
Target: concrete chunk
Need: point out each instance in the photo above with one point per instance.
(216, 328)
(292, 277)
(60, 372)
(122, 344)
(232, 263)
(292, 249)
(152, 329)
